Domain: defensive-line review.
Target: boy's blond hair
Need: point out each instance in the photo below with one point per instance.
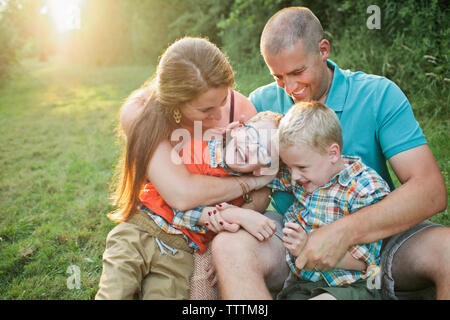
(312, 124)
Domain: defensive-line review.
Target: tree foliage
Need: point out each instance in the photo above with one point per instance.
(413, 40)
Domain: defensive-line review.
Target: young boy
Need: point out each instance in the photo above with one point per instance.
(327, 187)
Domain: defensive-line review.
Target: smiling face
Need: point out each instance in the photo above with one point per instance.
(303, 74)
(309, 168)
(206, 108)
(248, 147)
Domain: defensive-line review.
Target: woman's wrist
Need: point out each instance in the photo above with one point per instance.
(256, 183)
(245, 190)
(250, 181)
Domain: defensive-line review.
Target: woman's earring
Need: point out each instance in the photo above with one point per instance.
(177, 116)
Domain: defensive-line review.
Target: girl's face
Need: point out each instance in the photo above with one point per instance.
(248, 148)
(206, 108)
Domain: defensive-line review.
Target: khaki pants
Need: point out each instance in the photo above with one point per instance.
(135, 268)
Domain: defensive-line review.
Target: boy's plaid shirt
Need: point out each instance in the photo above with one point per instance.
(353, 188)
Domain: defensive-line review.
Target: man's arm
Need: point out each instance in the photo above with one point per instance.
(421, 195)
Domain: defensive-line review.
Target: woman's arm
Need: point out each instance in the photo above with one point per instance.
(178, 187)
(183, 190)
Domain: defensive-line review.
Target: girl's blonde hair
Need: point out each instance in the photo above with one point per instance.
(267, 116)
(188, 68)
(312, 124)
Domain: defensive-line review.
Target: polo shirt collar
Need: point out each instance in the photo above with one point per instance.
(338, 91)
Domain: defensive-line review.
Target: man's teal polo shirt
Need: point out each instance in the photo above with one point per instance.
(376, 118)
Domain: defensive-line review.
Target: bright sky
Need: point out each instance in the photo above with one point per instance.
(65, 13)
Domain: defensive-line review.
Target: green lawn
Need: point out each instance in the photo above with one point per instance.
(57, 154)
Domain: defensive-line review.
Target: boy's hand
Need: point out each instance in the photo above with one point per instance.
(295, 238)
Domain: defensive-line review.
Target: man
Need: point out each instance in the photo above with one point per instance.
(378, 125)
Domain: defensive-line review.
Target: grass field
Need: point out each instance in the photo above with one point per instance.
(57, 154)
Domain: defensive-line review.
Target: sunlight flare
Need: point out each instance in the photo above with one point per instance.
(64, 13)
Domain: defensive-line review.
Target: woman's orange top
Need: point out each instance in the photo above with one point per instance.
(151, 198)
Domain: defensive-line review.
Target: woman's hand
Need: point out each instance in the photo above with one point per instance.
(212, 218)
(261, 227)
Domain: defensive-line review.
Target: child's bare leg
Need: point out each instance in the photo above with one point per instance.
(201, 288)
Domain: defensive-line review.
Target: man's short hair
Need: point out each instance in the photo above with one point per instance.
(287, 26)
(312, 124)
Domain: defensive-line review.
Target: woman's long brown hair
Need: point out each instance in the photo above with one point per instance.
(187, 69)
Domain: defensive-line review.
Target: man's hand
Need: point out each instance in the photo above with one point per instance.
(325, 247)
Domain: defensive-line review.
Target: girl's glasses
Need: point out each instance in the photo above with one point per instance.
(253, 138)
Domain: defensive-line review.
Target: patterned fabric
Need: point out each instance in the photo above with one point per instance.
(217, 156)
(200, 285)
(355, 187)
(187, 220)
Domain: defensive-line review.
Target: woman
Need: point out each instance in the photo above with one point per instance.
(193, 82)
